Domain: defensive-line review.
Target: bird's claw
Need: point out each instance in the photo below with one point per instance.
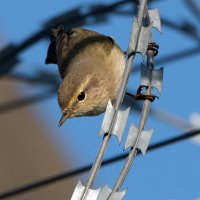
(140, 96)
(154, 47)
(150, 97)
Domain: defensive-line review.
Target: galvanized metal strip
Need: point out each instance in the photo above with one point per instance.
(120, 121)
(156, 77)
(106, 194)
(154, 17)
(142, 142)
(140, 38)
(117, 195)
(132, 136)
(143, 41)
(134, 36)
(79, 190)
(107, 119)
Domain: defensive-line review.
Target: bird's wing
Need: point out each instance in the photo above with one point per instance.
(65, 46)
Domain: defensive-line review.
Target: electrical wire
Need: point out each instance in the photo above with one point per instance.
(86, 168)
(72, 18)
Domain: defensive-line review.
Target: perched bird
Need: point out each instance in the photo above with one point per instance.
(91, 66)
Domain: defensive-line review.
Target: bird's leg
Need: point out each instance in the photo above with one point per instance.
(128, 54)
(140, 96)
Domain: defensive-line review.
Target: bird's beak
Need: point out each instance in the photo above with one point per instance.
(64, 117)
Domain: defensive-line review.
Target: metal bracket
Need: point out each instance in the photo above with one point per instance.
(79, 190)
(120, 121)
(142, 142)
(156, 77)
(104, 193)
(140, 38)
(154, 17)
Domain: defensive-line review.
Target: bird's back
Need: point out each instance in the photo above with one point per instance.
(65, 48)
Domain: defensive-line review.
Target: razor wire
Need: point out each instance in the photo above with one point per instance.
(186, 52)
(114, 121)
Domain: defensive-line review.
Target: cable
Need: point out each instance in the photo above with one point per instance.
(25, 101)
(108, 161)
(193, 6)
(72, 18)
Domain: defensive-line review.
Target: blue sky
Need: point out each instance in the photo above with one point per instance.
(171, 173)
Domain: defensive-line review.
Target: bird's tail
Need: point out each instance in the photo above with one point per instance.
(51, 53)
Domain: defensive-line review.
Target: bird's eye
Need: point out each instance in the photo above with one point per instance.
(81, 96)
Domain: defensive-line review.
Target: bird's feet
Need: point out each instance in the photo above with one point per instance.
(140, 96)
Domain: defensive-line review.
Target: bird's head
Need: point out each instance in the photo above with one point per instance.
(81, 96)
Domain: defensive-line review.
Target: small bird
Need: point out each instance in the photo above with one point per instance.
(91, 67)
